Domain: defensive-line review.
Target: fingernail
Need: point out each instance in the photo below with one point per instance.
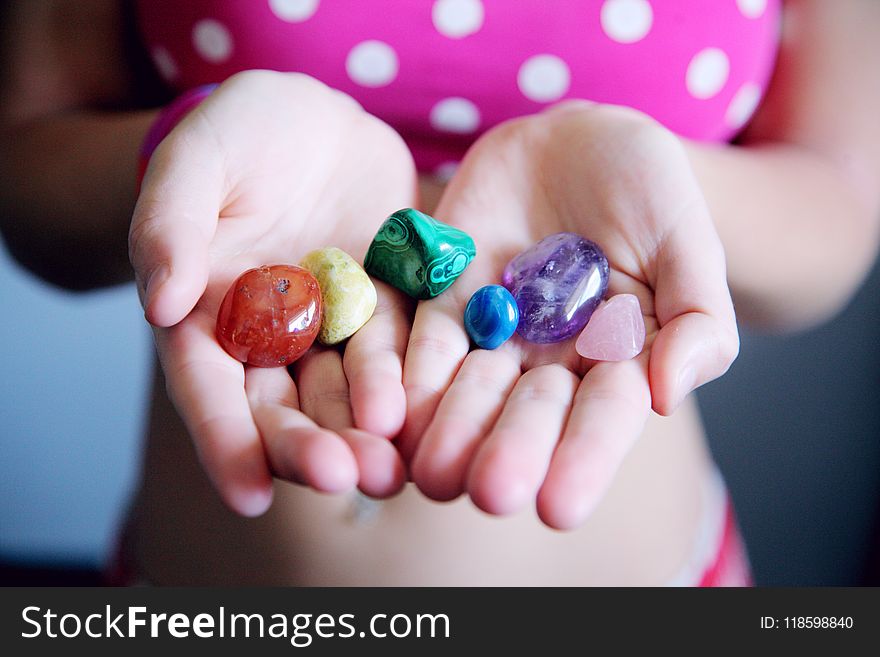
(155, 282)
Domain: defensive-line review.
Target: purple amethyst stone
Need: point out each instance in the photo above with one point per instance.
(557, 284)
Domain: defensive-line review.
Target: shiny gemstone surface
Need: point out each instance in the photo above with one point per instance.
(348, 294)
(418, 254)
(491, 316)
(270, 316)
(557, 284)
(616, 331)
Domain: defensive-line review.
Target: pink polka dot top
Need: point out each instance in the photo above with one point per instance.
(444, 71)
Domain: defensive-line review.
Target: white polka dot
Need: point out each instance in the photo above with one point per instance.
(752, 8)
(455, 114)
(164, 63)
(626, 21)
(212, 41)
(707, 73)
(444, 172)
(372, 64)
(457, 18)
(544, 78)
(294, 11)
(743, 105)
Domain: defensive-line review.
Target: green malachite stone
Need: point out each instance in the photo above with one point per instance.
(418, 254)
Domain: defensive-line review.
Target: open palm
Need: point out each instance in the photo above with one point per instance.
(531, 422)
(268, 168)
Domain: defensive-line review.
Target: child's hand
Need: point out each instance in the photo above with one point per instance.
(530, 420)
(268, 168)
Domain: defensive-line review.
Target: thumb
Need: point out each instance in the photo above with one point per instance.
(698, 338)
(174, 222)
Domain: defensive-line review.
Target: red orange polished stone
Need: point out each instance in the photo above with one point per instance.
(270, 316)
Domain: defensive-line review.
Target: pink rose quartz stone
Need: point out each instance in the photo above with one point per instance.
(616, 331)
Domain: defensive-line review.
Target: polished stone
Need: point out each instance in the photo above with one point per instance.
(616, 331)
(557, 284)
(270, 316)
(491, 316)
(418, 254)
(348, 294)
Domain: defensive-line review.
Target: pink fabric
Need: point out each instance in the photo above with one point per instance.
(444, 71)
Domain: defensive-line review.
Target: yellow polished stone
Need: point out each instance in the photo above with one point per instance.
(348, 294)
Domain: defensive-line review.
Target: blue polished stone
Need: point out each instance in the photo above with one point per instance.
(491, 316)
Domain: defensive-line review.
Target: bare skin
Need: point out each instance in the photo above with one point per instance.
(794, 206)
(642, 533)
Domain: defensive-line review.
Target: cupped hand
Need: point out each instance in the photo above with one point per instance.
(531, 423)
(269, 167)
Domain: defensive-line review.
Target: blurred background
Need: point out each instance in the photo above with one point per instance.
(72, 412)
(795, 427)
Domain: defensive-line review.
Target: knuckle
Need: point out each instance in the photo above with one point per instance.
(264, 398)
(482, 380)
(206, 430)
(432, 346)
(614, 399)
(485, 371)
(537, 393)
(421, 390)
(545, 387)
(333, 397)
(142, 239)
(194, 370)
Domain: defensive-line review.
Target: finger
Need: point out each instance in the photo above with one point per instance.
(207, 388)
(373, 364)
(608, 414)
(437, 346)
(381, 470)
(698, 338)
(511, 464)
(297, 449)
(689, 351)
(174, 221)
(323, 389)
(324, 396)
(463, 419)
